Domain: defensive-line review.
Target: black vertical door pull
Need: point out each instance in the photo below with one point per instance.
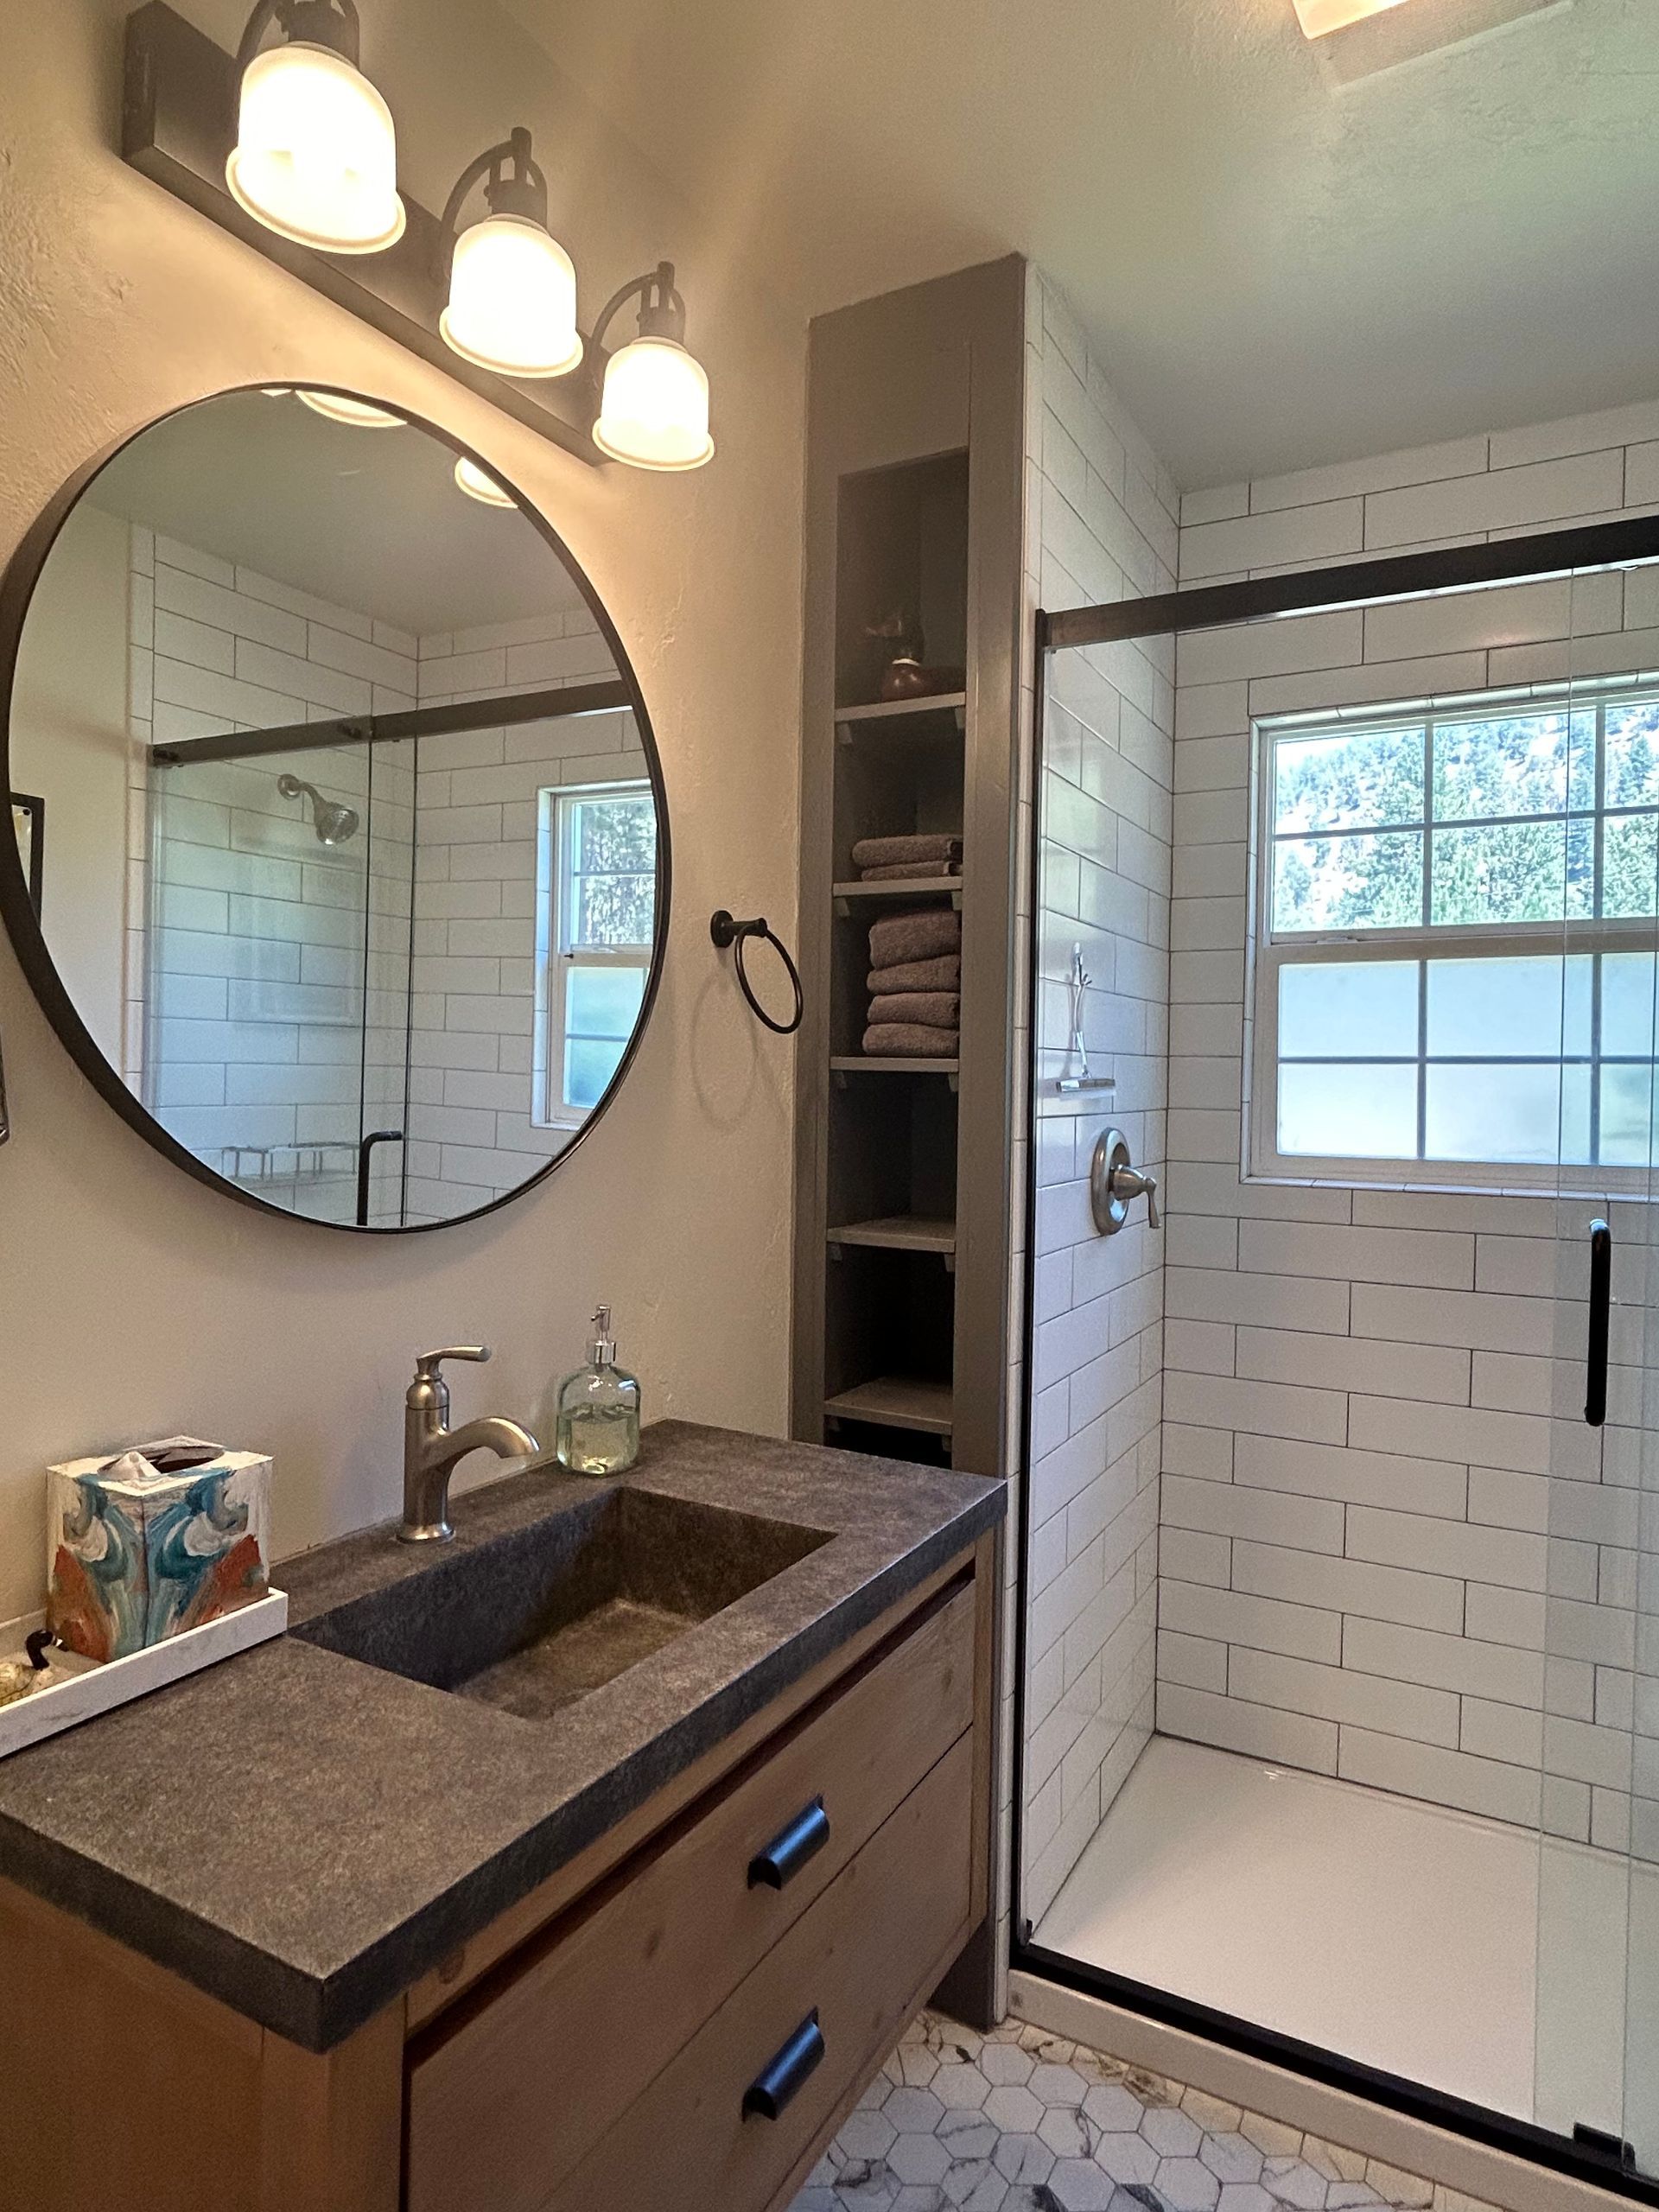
(1601, 1294)
(365, 1162)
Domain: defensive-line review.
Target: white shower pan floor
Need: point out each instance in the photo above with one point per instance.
(1402, 1934)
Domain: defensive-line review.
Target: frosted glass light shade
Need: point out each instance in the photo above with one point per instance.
(512, 299)
(315, 157)
(478, 484)
(654, 412)
(339, 409)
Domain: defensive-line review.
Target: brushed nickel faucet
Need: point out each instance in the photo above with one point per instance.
(431, 1447)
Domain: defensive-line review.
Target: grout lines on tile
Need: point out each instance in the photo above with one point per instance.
(1021, 2121)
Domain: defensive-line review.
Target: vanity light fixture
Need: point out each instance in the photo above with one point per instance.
(316, 156)
(654, 410)
(339, 407)
(478, 484)
(1317, 17)
(512, 287)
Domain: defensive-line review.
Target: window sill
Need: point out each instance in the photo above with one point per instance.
(1631, 1183)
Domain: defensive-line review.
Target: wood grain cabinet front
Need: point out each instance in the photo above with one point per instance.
(856, 1966)
(830, 1874)
(682, 2015)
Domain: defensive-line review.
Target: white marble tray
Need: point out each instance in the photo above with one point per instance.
(82, 1697)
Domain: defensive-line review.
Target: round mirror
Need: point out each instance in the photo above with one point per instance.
(340, 852)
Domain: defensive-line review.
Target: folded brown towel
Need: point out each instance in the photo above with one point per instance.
(907, 871)
(904, 852)
(909, 1040)
(944, 973)
(920, 933)
(933, 1009)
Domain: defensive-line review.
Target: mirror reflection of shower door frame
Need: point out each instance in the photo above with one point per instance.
(1554, 2146)
(389, 740)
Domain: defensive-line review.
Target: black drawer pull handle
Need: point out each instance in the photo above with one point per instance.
(777, 2082)
(789, 1850)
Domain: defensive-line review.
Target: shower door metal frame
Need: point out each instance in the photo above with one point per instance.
(1211, 606)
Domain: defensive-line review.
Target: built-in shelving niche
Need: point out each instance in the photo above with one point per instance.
(902, 550)
(891, 1317)
(890, 1257)
(890, 1261)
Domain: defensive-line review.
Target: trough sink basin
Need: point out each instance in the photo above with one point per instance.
(533, 1619)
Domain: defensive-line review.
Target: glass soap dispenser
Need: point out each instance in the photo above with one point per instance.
(598, 1428)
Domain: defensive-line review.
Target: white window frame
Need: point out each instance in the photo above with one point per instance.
(556, 952)
(1268, 949)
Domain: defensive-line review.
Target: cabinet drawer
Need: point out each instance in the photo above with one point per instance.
(862, 1958)
(542, 2058)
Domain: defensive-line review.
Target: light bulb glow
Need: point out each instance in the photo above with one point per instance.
(654, 413)
(339, 408)
(1318, 17)
(478, 484)
(315, 157)
(512, 299)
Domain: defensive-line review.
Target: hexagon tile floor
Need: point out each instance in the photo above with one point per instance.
(1022, 2122)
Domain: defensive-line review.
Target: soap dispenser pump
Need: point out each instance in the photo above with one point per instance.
(598, 1427)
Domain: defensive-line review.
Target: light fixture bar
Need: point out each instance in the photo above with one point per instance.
(178, 119)
(1320, 17)
(556, 704)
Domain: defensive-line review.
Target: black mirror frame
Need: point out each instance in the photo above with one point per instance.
(24, 927)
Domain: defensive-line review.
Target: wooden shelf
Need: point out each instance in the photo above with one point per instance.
(896, 1402)
(899, 1232)
(880, 1064)
(909, 886)
(906, 717)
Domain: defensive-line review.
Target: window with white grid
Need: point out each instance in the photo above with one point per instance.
(1454, 973)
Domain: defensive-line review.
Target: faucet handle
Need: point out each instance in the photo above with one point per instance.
(427, 1366)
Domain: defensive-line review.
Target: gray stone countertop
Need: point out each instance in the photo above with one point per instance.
(303, 1836)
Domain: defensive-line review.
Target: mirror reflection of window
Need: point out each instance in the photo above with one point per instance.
(596, 890)
(295, 704)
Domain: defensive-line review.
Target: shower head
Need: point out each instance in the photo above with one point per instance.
(333, 823)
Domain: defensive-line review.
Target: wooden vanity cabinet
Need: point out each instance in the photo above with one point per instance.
(682, 2016)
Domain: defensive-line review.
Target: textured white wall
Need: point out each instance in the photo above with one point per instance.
(133, 1301)
(69, 747)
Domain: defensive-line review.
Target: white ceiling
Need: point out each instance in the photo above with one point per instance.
(1278, 268)
(368, 519)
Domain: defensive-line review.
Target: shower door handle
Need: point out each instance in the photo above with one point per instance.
(1601, 1296)
(365, 1162)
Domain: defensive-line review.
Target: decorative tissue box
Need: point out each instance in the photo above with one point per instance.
(157, 1540)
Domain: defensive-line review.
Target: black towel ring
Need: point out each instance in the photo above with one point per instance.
(725, 931)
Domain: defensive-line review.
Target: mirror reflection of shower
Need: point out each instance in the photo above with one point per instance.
(335, 825)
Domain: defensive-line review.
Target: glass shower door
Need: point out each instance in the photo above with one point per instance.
(1596, 2050)
(277, 971)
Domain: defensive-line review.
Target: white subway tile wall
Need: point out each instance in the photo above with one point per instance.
(1101, 516)
(1362, 1563)
(473, 1136)
(293, 994)
(268, 973)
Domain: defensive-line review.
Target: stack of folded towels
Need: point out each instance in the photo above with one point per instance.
(903, 860)
(915, 985)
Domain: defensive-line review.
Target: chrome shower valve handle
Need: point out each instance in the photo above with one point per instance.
(1115, 1182)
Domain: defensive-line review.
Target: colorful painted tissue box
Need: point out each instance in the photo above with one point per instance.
(155, 1541)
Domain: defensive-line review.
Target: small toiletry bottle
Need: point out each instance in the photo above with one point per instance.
(598, 1430)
